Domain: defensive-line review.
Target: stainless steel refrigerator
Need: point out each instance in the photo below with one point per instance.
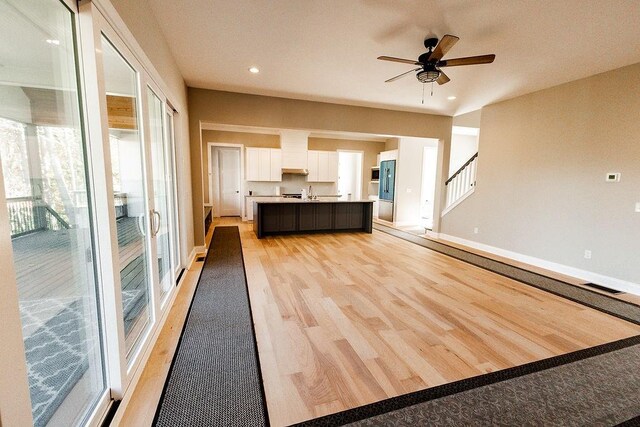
(386, 189)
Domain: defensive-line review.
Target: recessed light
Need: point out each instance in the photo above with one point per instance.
(451, 98)
(254, 70)
(53, 41)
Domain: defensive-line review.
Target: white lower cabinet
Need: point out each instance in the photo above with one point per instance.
(249, 205)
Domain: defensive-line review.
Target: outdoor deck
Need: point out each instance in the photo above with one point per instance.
(53, 265)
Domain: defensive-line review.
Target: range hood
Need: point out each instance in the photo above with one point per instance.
(294, 152)
(295, 171)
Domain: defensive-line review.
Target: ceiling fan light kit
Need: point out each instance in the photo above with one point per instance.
(428, 76)
(431, 61)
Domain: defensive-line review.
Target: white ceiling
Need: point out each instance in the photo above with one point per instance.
(326, 50)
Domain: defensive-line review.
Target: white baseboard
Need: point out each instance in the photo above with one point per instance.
(589, 276)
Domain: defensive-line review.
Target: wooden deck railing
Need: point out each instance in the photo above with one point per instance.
(31, 214)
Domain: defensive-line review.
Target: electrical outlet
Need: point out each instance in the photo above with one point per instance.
(409, 190)
(475, 230)
(587, 254)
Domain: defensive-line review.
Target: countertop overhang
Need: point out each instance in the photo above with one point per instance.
(273, 200)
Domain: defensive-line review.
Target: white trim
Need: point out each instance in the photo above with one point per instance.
(457, 202)
(610, 282)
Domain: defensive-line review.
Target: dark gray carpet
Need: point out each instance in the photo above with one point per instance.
(605, 303)
(215, 378)
(597, 386)
(598, 391)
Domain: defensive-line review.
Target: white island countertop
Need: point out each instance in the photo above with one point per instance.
(320, 199)
(334, 196)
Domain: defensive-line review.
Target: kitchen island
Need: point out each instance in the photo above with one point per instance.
(326, 215)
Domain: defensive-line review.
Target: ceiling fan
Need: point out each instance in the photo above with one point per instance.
(431, 62)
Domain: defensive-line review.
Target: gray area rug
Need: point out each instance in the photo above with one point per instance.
(605, 303)
(215, 378)
(56, 352)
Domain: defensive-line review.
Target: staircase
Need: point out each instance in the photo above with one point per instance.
(461, 184)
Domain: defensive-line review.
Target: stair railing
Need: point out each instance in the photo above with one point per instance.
(462, 183)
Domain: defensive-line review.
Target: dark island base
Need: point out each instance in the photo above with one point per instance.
(312, 217)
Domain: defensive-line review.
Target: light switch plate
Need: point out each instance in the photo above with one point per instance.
(637, 206)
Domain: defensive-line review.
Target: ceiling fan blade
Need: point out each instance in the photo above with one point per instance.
(443, 78)
(471, 60)
(392, 79)
(443, 47)
(404, 61)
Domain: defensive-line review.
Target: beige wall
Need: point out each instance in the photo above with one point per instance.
(148, 35)
(541, 176)
(371, 150)
(469, 120)
(253, 110)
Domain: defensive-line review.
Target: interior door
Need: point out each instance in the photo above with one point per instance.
(229, 166)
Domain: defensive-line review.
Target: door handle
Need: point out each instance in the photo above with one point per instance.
(141, 224)
(156, 226)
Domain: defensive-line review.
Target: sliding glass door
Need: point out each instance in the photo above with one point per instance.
(88, 219)
(49, 205)
(128, 173)
(162, 184)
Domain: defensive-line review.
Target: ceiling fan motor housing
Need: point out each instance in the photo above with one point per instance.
(428, 75)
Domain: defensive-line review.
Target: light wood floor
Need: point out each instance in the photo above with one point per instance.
(635, 299)
(348, 319)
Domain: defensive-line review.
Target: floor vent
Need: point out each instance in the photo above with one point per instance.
(603, 288)
(200, 259)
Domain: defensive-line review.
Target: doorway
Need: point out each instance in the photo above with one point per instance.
(226, 181)
(350, 174)
(428, 189)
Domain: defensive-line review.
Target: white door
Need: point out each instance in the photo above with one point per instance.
(229, 167)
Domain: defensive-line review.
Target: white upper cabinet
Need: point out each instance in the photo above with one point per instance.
(323, 166)
(332, 171)
(252, 161)
(276, 165)
(312, 166)
(263, 164)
